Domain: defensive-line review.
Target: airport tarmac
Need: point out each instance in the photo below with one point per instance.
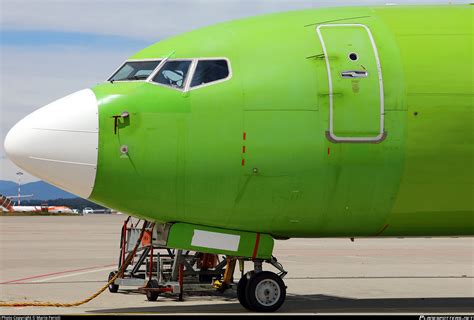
(66, 259)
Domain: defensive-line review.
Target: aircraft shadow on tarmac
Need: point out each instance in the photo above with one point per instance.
(316, 303)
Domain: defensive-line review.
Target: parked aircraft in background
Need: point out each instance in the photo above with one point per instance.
(7, 205)
(334, 122)
(60, 209)
(49, 209)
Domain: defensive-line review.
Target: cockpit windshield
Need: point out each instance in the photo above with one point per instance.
(135, 70)
(181, 74)
(173, 73)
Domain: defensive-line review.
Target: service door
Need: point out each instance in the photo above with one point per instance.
(355, 83)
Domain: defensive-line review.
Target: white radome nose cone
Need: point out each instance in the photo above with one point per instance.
(58, 143)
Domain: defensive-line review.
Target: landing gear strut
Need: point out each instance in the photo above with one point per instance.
(262, 291)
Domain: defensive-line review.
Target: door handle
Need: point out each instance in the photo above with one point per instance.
(354, 74)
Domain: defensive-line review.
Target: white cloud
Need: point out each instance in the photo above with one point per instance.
(150, 20)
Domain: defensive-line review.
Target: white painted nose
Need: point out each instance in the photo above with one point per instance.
(58, 143)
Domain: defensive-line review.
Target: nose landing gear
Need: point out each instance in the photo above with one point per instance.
(262, 291)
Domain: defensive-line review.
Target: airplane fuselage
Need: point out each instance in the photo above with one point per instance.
(331, 123)
(253, 153)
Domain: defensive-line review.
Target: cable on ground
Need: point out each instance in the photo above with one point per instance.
(120, 272)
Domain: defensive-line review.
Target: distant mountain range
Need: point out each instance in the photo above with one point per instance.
(40, 190)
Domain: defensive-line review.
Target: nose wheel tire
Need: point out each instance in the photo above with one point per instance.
(265, 292)
(152, 295)
(241, 290)
(113, 287)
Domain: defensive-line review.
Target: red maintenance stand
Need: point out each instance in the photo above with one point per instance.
(157, 270)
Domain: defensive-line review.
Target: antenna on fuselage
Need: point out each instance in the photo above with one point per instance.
(169, 56)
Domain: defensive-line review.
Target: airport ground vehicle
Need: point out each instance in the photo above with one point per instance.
(87, 210)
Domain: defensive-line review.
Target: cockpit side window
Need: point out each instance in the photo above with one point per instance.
(208, 71)
(135, 70)
(173, 73)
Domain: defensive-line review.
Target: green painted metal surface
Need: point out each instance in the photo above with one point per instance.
(356, 101)
(186, 149)
(215, 240)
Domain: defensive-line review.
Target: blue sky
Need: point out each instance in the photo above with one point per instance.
(51, 48)
(47, 38)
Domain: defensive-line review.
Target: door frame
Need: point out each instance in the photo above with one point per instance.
(331, 136)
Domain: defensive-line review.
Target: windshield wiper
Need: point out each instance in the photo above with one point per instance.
(137, 77)
(142, 77)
